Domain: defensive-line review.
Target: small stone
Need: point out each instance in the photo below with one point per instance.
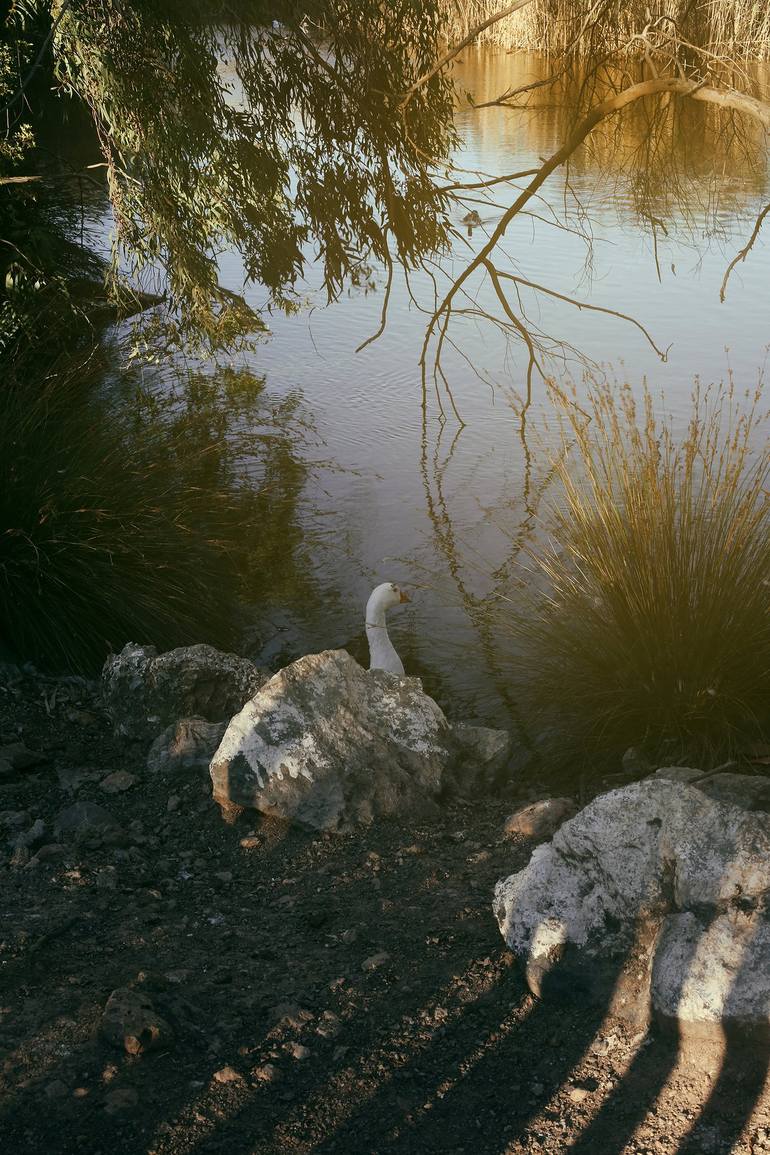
(298, 1050)
(541, 819)
(479, 856)
(290, 1016)
(329, 1026)
(375, 961)
(173, 803)
(578, 1094)
(129, 1020)
(19, 758)
(121, 1099)
(118, 782)
(350, 935)
(83, 820)
(33, 836)
(71, 778)
(266, 1073)
(51, 851)
(251, 842)
(227, 1075)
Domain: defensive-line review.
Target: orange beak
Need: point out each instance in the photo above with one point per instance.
(404, 596)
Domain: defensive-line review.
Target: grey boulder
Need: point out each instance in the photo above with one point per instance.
(185, 747)
(144, 692)
(482, 756)
(749, 791)
(327, 744)
(653, 899)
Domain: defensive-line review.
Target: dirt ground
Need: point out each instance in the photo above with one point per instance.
(328, 995)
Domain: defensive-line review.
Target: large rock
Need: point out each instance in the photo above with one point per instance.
(749, 791)
(652, 899)
(328, 744)
(144, 692)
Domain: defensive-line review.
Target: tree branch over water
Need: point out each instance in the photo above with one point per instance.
(694, 89)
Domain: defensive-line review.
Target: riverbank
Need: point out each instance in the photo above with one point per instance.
(340, 994)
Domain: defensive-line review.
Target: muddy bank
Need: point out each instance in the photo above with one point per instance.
(340, 994)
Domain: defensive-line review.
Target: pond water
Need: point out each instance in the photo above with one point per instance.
(439, 507)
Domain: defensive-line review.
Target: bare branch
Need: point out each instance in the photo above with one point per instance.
(492, 181)
(453, 52)
(695, 90)
(741, 256)
(662, 353)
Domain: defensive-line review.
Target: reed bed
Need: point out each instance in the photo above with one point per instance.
(651, 622)
(736, 28)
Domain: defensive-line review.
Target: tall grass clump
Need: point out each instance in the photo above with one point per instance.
(125, 516)
(739, 28)
(650, 626)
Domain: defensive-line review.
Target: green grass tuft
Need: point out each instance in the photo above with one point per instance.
(650, 625)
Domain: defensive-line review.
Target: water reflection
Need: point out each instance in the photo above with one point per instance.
(644, 221)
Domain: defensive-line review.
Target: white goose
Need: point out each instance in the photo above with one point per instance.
(382, 654)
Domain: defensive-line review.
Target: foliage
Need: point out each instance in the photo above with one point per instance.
(225, 126)
(128, 513)
(651, 625)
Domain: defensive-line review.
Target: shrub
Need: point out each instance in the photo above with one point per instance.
(651, 621)
(126, 517)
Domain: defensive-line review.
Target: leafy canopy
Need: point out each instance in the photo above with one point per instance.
(264, 128)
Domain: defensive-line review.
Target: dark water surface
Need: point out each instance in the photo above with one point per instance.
(440, 508)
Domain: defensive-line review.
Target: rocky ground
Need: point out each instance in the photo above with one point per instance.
(280, 992)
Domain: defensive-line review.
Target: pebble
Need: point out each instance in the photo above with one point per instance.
(266, 1073)
(251, 842)
(35, 834)
(578, 1094)
(375, 961)
(118, 782)
(173, 803)
(121, 1099)
(227, 1075)
(329, 1026)
(298, 1050)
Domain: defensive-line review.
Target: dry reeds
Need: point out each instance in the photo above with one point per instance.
(651, 626)
(738, 29)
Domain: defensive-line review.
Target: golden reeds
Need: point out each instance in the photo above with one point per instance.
(738, 28)
(652, 621)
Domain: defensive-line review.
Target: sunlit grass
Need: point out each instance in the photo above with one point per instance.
(739, 29)
(650, 624)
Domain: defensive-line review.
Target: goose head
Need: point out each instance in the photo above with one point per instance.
(384, 597)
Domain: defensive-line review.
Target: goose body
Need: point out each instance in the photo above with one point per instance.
(382, 653)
